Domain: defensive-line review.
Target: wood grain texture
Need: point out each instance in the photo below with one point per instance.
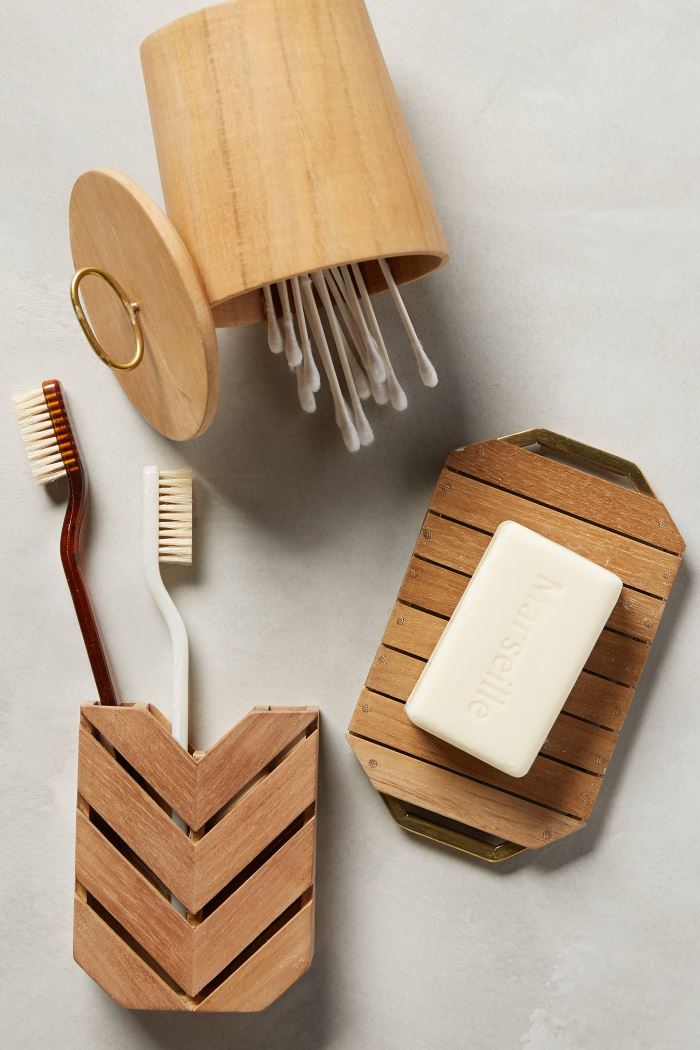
(246, 120)
(245, 876)
(484, 507)
(115, 226)
(384, 721)
(479, 487)
(269, 971)
(453, 546)
(457, 798)
(116, 966)
(198, 788)
(395, 673)
(616, 656)
(565, 488)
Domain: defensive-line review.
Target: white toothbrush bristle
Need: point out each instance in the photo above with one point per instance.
(175, 516)
(39, 436)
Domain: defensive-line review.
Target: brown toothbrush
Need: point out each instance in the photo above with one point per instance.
(53, 453)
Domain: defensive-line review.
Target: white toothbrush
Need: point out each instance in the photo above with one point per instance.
(167, 537)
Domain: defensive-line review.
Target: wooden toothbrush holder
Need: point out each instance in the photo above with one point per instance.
(282, 149)
(244, 872)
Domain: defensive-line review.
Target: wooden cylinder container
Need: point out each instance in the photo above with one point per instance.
(282, 151)
(282, 148)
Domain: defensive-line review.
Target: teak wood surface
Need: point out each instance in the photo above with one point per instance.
(628, 532)
(244, 871)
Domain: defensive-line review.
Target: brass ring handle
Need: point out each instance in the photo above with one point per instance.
(132, 310)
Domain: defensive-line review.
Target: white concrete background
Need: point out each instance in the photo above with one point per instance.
(561, 141)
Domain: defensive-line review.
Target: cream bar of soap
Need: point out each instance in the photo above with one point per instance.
(513, 648)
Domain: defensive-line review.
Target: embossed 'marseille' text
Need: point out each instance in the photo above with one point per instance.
(496, 686)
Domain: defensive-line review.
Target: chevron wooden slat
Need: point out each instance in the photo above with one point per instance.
(281, 881)
(269, 971)
(262, 814)
(113, 964)
(197, 789)
(135, 903)
(135, 817)
(245, 873)
(440, 792)
(248, 747)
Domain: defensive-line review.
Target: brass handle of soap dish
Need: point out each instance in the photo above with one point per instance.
(456, 839)
(576, 450)
(132, 310)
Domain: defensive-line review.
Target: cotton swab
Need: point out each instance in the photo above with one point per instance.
(291, 346)
(425, 368)
(304, 393)
(367, 376)
(359, 344)
(397, 396)
(374, 363)
(364, 430)
(358, 372)
(312, 379)
(342, 415)
(274, 336)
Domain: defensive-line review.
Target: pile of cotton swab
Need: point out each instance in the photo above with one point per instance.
(359, 348)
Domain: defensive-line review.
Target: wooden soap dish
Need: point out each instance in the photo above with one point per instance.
(434, 789)
(245, 873)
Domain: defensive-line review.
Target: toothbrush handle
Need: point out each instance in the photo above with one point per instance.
(70, 546)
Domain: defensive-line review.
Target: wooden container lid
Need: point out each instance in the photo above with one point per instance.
(116, 227)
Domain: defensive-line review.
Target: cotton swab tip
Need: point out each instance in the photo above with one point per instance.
(426, 371)
(291, 346)
(364, 431)
(397, 396)
(380, 393)
(361, 383)
(305, 393)
(349, 435)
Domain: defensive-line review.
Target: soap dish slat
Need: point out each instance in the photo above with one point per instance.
(439, 792)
